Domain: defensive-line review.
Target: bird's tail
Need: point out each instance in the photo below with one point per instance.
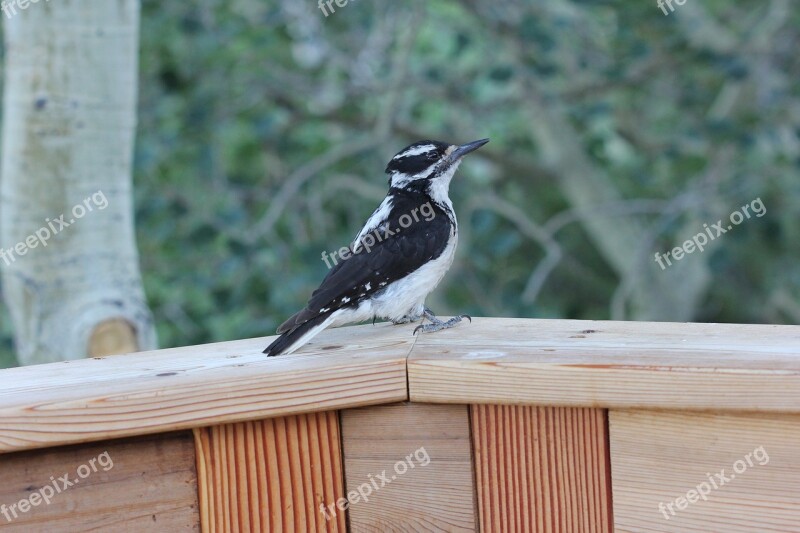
(298, 336)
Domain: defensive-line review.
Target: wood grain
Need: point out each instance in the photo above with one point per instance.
(436, 494)
(610, 364)
(511, 361)
(270, 475)
(658, 457)
(541, 469)
(152, 392)
(142, 484)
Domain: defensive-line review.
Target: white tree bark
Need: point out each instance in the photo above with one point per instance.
(69, 119)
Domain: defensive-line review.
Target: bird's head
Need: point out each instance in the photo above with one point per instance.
(426, 162)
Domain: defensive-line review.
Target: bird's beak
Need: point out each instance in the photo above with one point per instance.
(464, 149)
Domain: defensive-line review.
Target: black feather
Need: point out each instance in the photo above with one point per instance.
(288, 338)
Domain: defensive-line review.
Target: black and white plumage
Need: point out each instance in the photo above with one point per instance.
(398, 258)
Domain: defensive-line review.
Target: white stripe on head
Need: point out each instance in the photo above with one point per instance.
(415, 151)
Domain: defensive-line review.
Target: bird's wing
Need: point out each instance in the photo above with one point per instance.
(378, 217)
(365, 273)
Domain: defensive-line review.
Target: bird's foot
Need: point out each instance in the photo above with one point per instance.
(406, 319)
(438, 325)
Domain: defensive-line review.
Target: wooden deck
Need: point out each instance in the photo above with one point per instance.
(498, 425)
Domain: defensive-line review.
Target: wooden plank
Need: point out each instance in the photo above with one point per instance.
(183, 388)
(658, 457)
(412, 464)
(548, 362)
(139, 484)
(610, 364)
(270, 475)
(541, 469)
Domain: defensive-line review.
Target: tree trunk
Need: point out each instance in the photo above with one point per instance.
(69, 119)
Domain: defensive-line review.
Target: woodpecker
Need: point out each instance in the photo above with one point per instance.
(399, 256)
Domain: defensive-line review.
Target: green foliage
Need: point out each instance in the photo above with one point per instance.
(264, 128)
(236, 102)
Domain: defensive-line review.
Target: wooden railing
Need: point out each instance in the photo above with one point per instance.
(498, 425)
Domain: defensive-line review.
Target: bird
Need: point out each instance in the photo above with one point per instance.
(399, 257)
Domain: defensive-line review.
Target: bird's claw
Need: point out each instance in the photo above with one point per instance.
(438, 325)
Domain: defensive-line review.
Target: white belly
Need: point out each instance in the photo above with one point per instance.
(407, 296)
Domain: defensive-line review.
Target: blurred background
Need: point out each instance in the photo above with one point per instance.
(617, 131)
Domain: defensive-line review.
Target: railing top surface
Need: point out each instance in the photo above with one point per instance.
(493, 360)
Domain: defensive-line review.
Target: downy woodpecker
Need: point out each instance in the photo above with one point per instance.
(397, 258)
